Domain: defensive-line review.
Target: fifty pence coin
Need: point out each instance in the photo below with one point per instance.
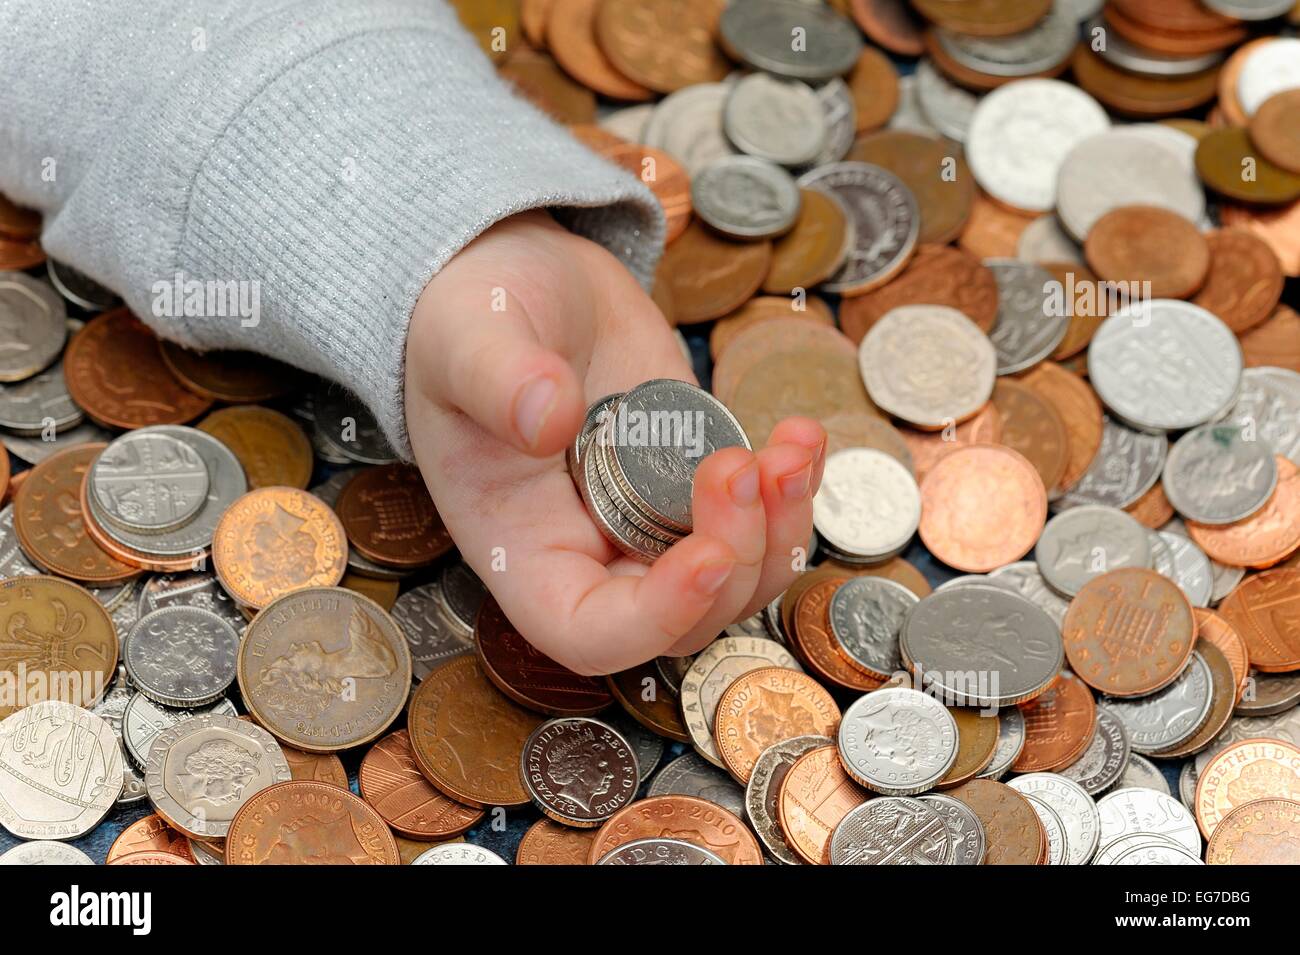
(143, 720)
(762, 793)
(181, 656)
(966, 839)
(891, 830)
(897, 741)
(1214, 475)
(579, 771)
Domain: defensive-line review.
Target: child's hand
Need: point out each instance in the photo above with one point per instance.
(493, 398)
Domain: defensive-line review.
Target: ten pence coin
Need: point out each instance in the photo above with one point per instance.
(295, 823)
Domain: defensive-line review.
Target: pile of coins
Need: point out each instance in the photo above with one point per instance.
(1025, 261)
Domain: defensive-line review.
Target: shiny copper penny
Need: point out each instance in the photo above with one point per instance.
(1275, 343)
(1278, 226)
(982, 506)
(151, 857)
(1267, 537)
(992, 231)
(761, 308)
(391, 781)
(1223, 156)
(688, 818)
(935, 275)
(1263, 832)
(467, 737)
(1059, 724)
(649, 700)
(1129, 632)
(1134, 244)
(538, 78)
(272, 448)
(18, 223)
(874, 84)
(1032, 427)
(50, 525)
(296, 823)
(1132, 94)
(764, 707)
(1262, 610)
(928, 448)
(571, 37)
(711, 276)
(1245, 772)
(1078, 406)
(977, 742)
(663, 175)
(1152, 509)
(1215, 629)
(315, 767)
(150, 834)
(813, 641)
(115, 372)
(890, 24)
(549, 843)
(389, 517)
(983, 17)
(1245, 279)
(530, 677)
(1275, 130)
(665, 45)
(814, 249)
(815, 795)
(235, 377)
(896, 569)
(919, 161)
(1011, 828)
(1087, 303)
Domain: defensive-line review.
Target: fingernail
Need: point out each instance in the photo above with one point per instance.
(743, 485)
(794, 487)
(533, 406)
(820, 456)
(710, 578)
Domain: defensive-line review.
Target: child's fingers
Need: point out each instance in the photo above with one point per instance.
(788, 472)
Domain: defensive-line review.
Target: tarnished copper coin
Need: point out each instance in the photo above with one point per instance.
(1276, 342)
(982, 506)
(977, 742)
(549, 843)
(1275, 129)
(1152, 509)
(1136, 244)
(272, 448)
(1129, 632)
(928, 448)
(665, 45)
(693, 820)
(1078, 406)
(649, 700)
(1087, 302)
(920, 161)
(1011, 828)
(1059, 724)
(889, 23)
(814, 796)
(50, 524)
(150, 834)
(152, 857)
(1032, 426)
(1263, 832)
(1242, 773)
(571, 38)
(536, 77)
(814, 642)
(1224, 156)
(530, 677)
(1267, 537)
(1215, 629)
(764, 707)
(315, 767)
(814, 249)
(389, 517)
(391, 781)
(663, 175)
(992, 231)
(275, 540)
(711, 276)
(983, 17)
(935, 275)
(1245, 279)
(1132, 94)
(874, 84)
(115, 372)
(18, 222)
(235, 377)
(467, 737)
(296, 823)
(1262, 610)
(18, 256)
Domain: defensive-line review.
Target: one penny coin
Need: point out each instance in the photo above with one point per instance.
(992, 231)
(1215, 629)
(390, 518)
(1242, 773)
(1078, 407)
(1059, 724)
(1267, 537)
(764, 707)
(150, 834)
(649, 700)
(936, 275)
(814, 249)
(1264, 832)
(235, 377)
(549, 843)
(666, 45)
(928, 448)
(1245, 279)
(271, 446)
(1137, 244)
(18, 222)
(1275, 130)
(890, 24)
(688, 818)
(977, 742)
(296, 823)
(391, 781)
(815, 795)
(711, 276)
(1262, 610)
(571, 37)
(1032, 426)
(1011, 828)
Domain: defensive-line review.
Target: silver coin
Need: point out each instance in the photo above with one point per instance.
(885, 218)
(350, 427)
(868, 505)
(629, 122)
(1224, 579)
(660, 851)
(945, 105)
(1116, 848)
(1130, 811)
(752, 626)
(1162, 557)
(1269, 694)
(204, 854)
(763, 791)
(840, 115)
(1171, 716)
(967, 842)
(34, 450)
(458, 853)
(1215, 475)
(28, 407)
(1058, 841)
(687, 125)
(1155, 853)
(866, 614)
(714, 669)
(1268, 406)
(891, 830)
(33, 321)
(1044, 241)
(1251, 9)
(1272, 68)
(144, 719)
(1284, 726)
(111, 709)
(781, 121)
(181, 656)
(611, 520)
(928, 364)
(1187, 566)
(746, 198)
(962, 581)
(149, 482)
(578, 770)
(692, 775)
(1011, 741)
(1080, 10)
(1187, 779)
(1028, 329)
(1135, 59)
(897, 741)
(1041, 48)
(1026, 579)
(910, 116)
(430, 632)
(981, 645)
(1121, 168)
(1126, 466)
(464, 594)
(60, 771)
(1141, 773)
(127, 612)
(13, 562)
(616, 487)
(1103, 763)
(759, 32)
(1165, 365)
(78, 288)
(45, 853)
(197, 589)
(1074, 806)
(1086, 542)
(594, 418)
(772, 616)
(1020, 135)
(648, 747)
(673, 670)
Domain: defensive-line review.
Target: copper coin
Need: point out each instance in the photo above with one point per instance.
(1180, 15)
(814, 249)
(1223, 697)
(538, 78)
(271, 446)
(1141, 96)
(596, 138)
(935, 275)
(764, 707)
(889, 23)
(150, 834)
(1215, 629)
(649, 700)
(1032, 426)
(1263, 832)
(1267, 537)
(1087, 302)
(982, 506)
(1146, 30)
(549, 843)
(761, 308)
(1247, 771)
(18, 223)
(688, 818)
(530, 677)
(391, 781)
(1152, 509)
(874, 84)
(493, 23)
(1275, 130)
(1078, 406)
(151, 857)
(896, 569)
(977, 742)
(1274, 343)
(663, 175)
(928, 448)
(275, 540)
(711, 276)
(115, 372)
(1059, 724)
(129, 555)
(1262, 610)
(815, 795)
(1279, 227)
(992, 231)
(1135, 244)
(1222, 160)
(920, 161)
(1245, 279)
(389, 517)
(298, 822)
(467, 737)
(1129, 632)
(533, 15)
(984, 17)
(1011, 828)
(860, 430)
(18, 256)
(963, 75)
(315, 767)
(663, 44)
(382, 592)
(571, 37)
(815, 643)
(236, 377)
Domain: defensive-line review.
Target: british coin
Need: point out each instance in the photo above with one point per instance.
(691, 775)
(1032, 427)
(648, 699)
(1148, 248)
(1269, 694)
(423, 614)
(1073, 805)
(841, 116)
(611, 516)
(708, 276)
(1041, 48)
(1267, 537)
(762, 792)
(1058, 846)
(780, 121)
(897, 741)
(1283, 726)
(1268, 402)
(1165, 719)
(329, 491)
(1011, 828)
(746, 198)
(1059, 724)
(1176, 557)
(965, 831)
(350, 428)
(458, 854)
(1224, 578)
(35, 320)
(204, 853)
(661, 851)
(45, 853)
(759, 34)
(181, 656)
(868, 506)
(1214, 475)
(298, 822)
(390, 780)
(687, 124)
(1141, 773)
(1024, 578)
(1222, 154)
(949, 107)
(197, 589)
(1260, 610)
(1242, 773)
(1245, 280)
(814, 796)
(1268, 70)
(143, 720)
(866, 614)
(679, 817)
(28, 407)
(1264, 832)
(1130, 811)
(579, 771)
(1081, 543)
(390, 518)
(1011, 742)
(272, 448)
(234, 376)
(765, 706)
(1223, 694)
(549, 843)
(1104, 761)
(892, 830)
(111, 709)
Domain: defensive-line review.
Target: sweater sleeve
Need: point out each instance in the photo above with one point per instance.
(330, 156)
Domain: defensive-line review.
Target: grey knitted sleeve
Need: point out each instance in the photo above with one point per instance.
(331, 155)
